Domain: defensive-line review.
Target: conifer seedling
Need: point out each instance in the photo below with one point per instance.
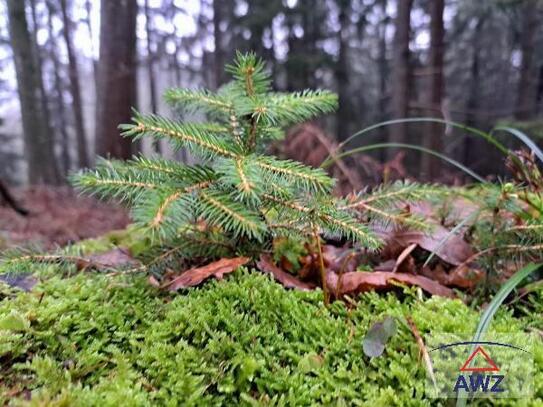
(238, 197)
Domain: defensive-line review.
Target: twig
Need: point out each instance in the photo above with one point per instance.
(321, 266)
(6, 195)
(423, 350)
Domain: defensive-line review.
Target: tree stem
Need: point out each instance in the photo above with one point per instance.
(326, 296)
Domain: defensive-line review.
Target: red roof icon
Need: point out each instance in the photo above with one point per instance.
(491, 365)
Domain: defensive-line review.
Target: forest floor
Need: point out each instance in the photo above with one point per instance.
(91, 338)
(57, 217)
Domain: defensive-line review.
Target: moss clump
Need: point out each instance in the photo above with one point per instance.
(94, 340)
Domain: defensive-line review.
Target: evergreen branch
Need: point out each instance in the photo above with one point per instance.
(163, 213)
(303, 177)
(218, 209)
(338, 223)
(243, 175)
(250, 76)
(284, 109)
(107, 180)
(398, 219)
(190, 135)
(391, 194)
(201, 99)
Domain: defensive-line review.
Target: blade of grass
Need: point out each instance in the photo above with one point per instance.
(460, 166)
(490, 311)
(448, 236)
(522, 137)
(488, 137)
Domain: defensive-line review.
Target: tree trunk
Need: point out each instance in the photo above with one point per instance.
(383, 72)
(37, 137)
(88, 9)
(217, 35)
(116, 77)
(60, 113)
(526, 96)
(75, 89)
(341, 73)
(150, 69)
(434, 134)
(400, 72)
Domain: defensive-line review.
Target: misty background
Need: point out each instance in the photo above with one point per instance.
(71, 70)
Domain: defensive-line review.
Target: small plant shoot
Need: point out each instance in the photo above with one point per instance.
(239, 197)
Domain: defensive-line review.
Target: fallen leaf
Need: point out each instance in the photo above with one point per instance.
(115, 258)
(461, 276)
(361, 281)
(423, 349)
(266, 265)
(377, 337)
(405, 253)
(23, 281)
(154, 282)
(195, 276)
(455, 251)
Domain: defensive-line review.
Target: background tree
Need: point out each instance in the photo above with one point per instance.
(80, 131)
(38, 142)
(401, 70)
(434, 136)
(116, 76)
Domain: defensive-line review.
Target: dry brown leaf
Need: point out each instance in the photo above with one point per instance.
(358, 281)
(454, 251)
(266, 265)
(195, 276)
(461, 276)
(401, 258)
(115, 258)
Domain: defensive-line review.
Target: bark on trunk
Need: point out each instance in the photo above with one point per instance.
(150, 69)
(344, 114)
(526, 97)
(38, 142)
(60, 112)
(383, 73)
(218, 54)
(116, 77)
(75, 89)
(400, 72)
(434, 132)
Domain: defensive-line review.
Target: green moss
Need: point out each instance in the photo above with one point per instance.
(94, 340)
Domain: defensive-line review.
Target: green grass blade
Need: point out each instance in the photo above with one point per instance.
(488, 137)
(448, 236)
(455, 163)
(522, 137)
(490, 311)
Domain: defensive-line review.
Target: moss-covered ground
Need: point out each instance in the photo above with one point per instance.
(93, 340)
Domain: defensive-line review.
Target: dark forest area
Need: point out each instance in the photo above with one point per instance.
(477, 63)
(271, 202)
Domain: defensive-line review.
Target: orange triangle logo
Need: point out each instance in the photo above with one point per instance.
(491, 365)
